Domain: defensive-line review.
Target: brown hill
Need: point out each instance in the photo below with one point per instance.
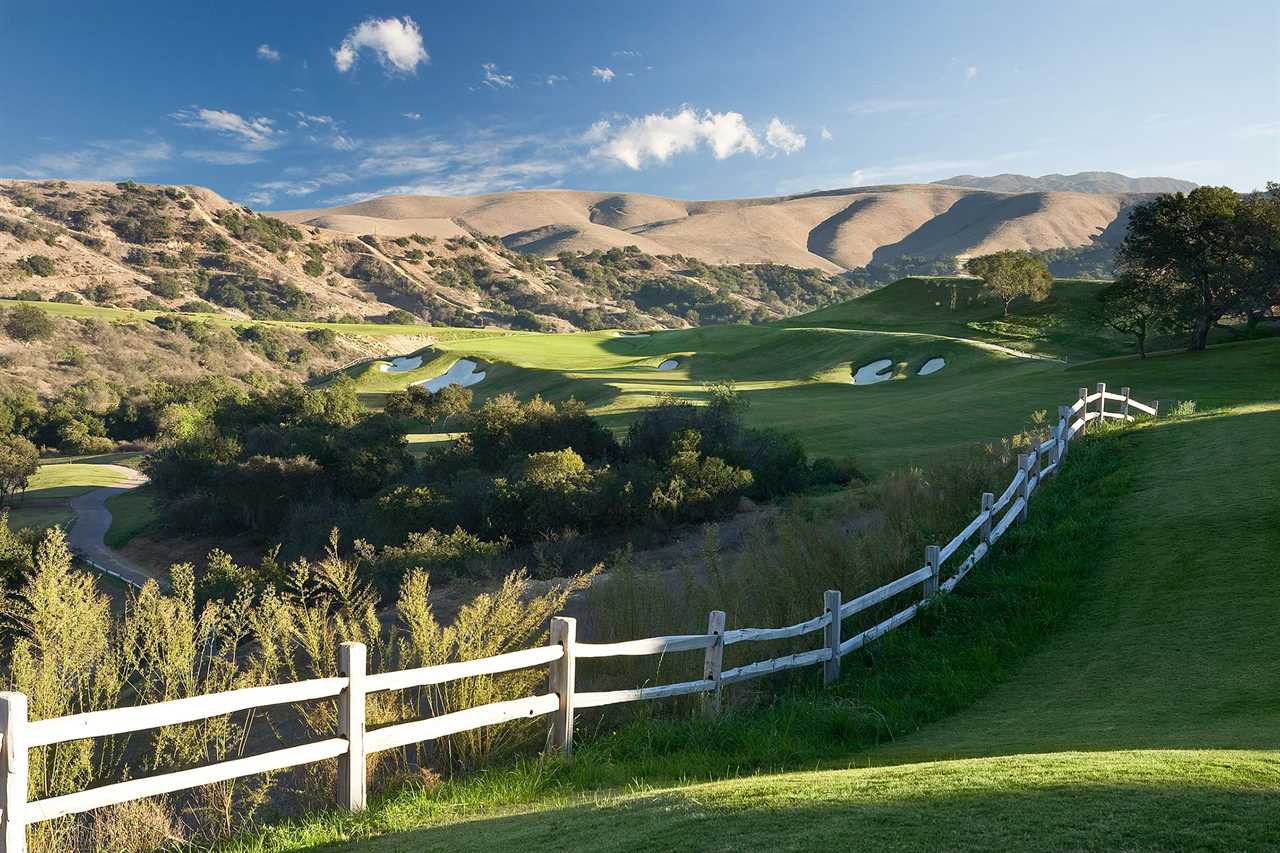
(832, 231)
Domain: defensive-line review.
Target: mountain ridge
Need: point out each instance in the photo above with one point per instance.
(1087, 182)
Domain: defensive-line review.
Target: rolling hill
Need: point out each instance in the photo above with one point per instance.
(833, 230)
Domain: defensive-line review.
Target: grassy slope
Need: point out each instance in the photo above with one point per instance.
(1149, 719)
(65, 480)
(132, 512)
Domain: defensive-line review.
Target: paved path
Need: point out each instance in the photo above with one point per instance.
(93, 519)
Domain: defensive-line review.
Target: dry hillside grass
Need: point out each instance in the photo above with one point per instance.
(831, 231)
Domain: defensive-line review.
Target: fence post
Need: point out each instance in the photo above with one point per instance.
(1124, 407)
(13, 763)
(351, 707)
(1024, 465)
(831, 636)
(1084, 410)
(932, 556)
(988, 501)
(713, 663)
(560, 678)
(1056, 434)
(1155, 404)
(1064, 433)
(1102, 403)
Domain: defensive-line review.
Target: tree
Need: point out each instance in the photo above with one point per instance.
(28, 323)
(1214, 247)
(19, 461)
(1259, 233)
(1136, 304)
(1008, 275)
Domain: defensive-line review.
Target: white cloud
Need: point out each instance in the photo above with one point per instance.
(256, 134)
(396, 42)
(970, 71)
(267, 53)
(495, 80)
(223, 158)
(412, 116)
(103, 160)
(784, 137)
(324, 130)
(629, 54)
(659, 136)
(480, 163)
(555, 79)
(605, 74)
(826, 134)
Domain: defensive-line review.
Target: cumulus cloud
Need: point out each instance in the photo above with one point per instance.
(494, 80)
(412, 116)
(605, 74)
(659, 136)
(970, 71)
(826, 134)
(267, 53)
(555, 79)
(257, 134)
(396, 42)
(784, 137)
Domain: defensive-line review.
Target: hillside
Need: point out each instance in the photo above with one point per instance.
(1080, 182)
(1102, 691)
(172, 248)
(833, 231)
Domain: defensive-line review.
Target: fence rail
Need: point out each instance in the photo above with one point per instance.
(354, 743)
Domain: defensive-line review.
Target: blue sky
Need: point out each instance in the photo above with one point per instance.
(287, 105)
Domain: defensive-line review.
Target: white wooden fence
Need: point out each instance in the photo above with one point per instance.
(354, 743)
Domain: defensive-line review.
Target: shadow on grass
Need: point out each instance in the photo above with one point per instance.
(1063, 802)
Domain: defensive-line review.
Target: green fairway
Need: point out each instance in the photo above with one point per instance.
(1068, 801)
(66, 480)
(40, 517)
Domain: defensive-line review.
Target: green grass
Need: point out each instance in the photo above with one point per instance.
(1107, 681)
(132, 513)
(40, 517)
(66, 480)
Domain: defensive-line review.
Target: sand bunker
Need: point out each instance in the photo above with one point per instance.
(403, 364)
(635, 335)
(461, 372)
(669, 364)
(933, 365)
(876, 371)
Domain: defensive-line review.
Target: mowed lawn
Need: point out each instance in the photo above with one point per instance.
(66, 480)
(1150, 720)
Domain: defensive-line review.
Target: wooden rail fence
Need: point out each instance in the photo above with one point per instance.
(353, 743)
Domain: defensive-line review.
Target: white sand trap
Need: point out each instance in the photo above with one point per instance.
(669, 364)
(403, 364)
(461, 372)
(933, 365)
(876, 371)
(635, 335)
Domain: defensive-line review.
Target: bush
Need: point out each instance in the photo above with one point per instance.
(37, 265)
(313, 267)
(28, 323)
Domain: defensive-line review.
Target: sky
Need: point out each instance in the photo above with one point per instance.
(283, 105)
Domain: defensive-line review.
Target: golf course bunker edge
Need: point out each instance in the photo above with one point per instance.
(877, 371)
(462, 372)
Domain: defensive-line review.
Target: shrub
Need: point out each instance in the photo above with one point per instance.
(28, 323)
(19, 461)
(313, 267)
(37, 265)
